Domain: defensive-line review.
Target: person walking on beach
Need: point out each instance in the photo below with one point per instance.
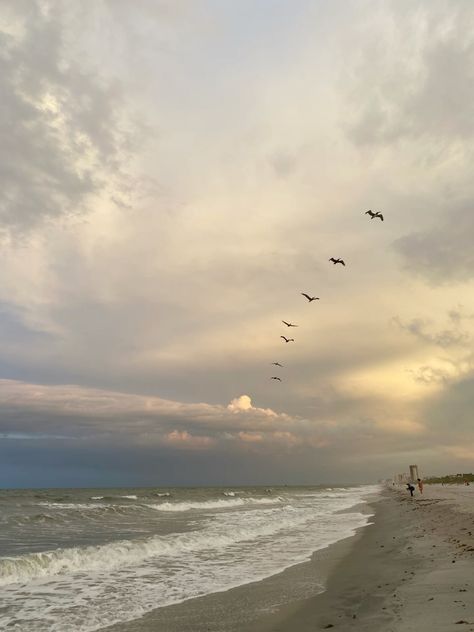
(420, 485)
(411, 489)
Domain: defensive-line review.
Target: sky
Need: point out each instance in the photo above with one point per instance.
(173, 174)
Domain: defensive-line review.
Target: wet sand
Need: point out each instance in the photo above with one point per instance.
(412, 570)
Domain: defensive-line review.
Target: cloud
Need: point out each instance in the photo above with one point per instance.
(93, 412)
(444, 338)
(165, 288)
(183, 439)
(63, 127)
(441, 254)
(416, 83)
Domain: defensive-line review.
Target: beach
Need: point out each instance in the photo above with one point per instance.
(411, 570)
(208, 560)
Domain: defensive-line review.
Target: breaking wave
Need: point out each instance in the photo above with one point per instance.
(215, 504)
(126, 553)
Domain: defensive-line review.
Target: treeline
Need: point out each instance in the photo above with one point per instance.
(450, 479)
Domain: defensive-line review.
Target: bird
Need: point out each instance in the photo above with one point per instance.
(310, 298)
(374, 215)
(276, 378)
(277, 364)
(288, 324)
(337, 261)
(287, 339)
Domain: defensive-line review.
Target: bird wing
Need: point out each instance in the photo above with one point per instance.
(286, 339)
(381, 216)
(308, 297)
(343, 262)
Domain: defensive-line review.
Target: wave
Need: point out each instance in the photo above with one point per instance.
(215, 504)
(163, 494)
(108, 557)
(97, 497)
(72, 505)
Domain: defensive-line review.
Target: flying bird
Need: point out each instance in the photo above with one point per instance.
(310, 298)
(288, 324)
(277, 364)
(374, 215)
(276, 378)
(337, 261)
(287, 339)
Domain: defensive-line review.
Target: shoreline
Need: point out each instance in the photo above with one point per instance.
(241, 608)
(409, 570)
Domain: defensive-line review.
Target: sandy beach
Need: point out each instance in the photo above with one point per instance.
(411, 570)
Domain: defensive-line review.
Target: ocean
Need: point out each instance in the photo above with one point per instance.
(77, 560)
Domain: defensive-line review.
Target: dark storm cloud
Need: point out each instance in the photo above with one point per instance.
(59, 124)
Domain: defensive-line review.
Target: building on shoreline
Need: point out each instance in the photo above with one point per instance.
(414, 476)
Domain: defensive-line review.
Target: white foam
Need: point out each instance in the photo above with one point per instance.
(214, 504)
(72, 505)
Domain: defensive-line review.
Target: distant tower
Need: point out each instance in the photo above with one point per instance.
(414, 472)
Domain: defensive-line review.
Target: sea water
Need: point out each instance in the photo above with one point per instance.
(80, 560)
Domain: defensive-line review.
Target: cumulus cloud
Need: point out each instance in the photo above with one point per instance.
(88, 412)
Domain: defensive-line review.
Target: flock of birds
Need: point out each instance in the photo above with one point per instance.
(310, 299)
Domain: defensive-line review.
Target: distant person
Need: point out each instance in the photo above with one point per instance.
(420, 485)
(410, 488)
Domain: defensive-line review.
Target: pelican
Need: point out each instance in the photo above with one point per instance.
(277, 364)
(374, 215)
(337, 261)
(288, 324)
(287, 339)
(310, 298)
(276, 378)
